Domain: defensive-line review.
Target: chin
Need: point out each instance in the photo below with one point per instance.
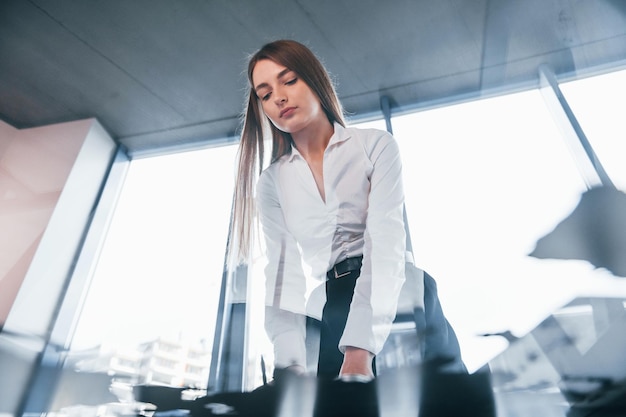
(287, 128)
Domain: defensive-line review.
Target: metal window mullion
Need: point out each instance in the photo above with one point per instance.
(586, 160)
(227, 359)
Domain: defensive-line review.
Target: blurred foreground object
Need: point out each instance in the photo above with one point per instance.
(595, 232)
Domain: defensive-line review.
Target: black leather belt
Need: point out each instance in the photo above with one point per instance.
(344, 267)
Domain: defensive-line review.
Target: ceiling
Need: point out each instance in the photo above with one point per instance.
(169, 73)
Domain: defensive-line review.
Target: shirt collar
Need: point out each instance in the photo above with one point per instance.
(341, 134)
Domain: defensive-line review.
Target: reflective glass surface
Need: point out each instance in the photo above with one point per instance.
(484, 182)
(150, 312)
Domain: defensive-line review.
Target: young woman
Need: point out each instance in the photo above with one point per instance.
(331, 208)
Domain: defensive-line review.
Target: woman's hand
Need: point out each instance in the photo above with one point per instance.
(357, 361)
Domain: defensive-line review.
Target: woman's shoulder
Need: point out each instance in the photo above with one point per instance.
(366, 132)
(369, 135)
(266, 183)
(370, 138)
(270, 172)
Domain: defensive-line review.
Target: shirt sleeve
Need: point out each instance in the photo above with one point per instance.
(285, 284)
(377, 290)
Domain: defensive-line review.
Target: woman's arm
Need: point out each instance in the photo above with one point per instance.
(285, 283)
(376, 293)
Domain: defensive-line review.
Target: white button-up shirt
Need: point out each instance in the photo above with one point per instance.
(305, 236)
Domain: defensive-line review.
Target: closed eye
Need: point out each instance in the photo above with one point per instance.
(268, 94)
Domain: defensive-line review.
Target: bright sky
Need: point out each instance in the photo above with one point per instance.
(160, 271)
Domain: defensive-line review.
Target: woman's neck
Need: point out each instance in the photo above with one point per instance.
(313, 140)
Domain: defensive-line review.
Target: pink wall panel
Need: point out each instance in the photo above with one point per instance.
(34, 166)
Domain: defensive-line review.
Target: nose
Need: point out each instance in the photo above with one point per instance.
(280, 97)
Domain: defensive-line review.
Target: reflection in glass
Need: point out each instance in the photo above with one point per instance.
(571, 364)
(484, 181)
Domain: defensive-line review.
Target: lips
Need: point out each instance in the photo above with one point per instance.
(286, 112)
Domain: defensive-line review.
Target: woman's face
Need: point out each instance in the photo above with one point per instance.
(288, 102)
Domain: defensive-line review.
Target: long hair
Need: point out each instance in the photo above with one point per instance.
(256, 128)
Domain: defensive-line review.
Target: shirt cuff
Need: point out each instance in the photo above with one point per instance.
(289, 349)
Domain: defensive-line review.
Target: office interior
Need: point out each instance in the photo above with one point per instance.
(119, 126)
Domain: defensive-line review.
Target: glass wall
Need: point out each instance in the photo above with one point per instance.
(150, 313)
(484, 180)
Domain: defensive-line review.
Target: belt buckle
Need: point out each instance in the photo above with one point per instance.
(337, 275)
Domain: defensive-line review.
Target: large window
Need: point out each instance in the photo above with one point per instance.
(153, 297)
(484, 180)
(599, 103)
